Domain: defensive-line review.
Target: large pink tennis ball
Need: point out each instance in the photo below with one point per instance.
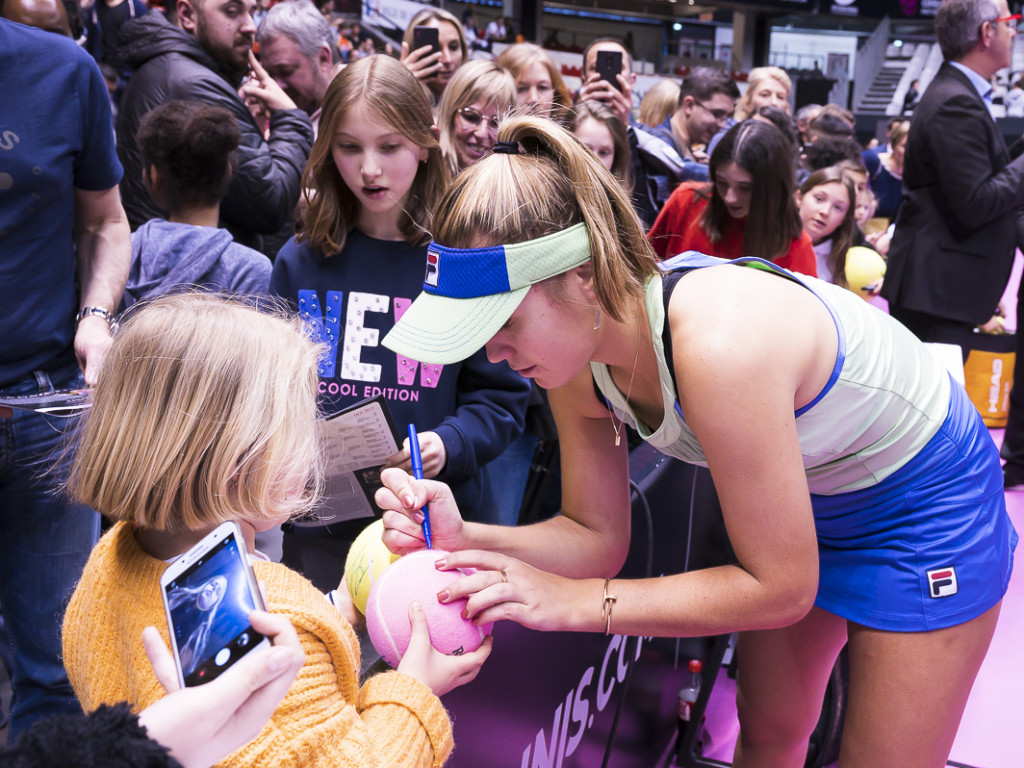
(414, 578)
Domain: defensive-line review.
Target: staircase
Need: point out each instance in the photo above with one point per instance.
(880, 92)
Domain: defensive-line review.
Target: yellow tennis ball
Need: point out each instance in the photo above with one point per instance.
(366, 561)
(863, 267)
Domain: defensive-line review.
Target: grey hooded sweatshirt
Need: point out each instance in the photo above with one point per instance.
(166, 255)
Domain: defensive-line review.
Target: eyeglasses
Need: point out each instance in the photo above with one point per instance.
(1010, 21)
(720, 115)
(474, 118)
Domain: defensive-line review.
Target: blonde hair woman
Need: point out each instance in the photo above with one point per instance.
(766, 87)
(659, 102)
(480, 94)
(846, 475)
(435, 69)
(539, 84)
(206, 412)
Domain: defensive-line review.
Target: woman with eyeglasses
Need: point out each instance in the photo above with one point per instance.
(747, 209)
(477, 97)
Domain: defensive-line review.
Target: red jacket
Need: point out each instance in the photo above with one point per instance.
(678, 229)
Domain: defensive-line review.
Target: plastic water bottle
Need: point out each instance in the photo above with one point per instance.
(690, 691)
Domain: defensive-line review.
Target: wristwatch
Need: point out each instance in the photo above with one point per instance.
(106, 314)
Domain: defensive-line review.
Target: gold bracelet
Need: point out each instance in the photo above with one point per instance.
(606, 608)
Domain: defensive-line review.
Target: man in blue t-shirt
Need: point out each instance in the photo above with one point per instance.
(64, 254)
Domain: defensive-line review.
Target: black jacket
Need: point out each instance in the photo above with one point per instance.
(109, 737)
(952, 249)
(170, 64)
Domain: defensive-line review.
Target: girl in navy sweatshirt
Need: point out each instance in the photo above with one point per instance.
(357, 263)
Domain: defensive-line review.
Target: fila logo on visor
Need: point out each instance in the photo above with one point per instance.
(432, 269)
(942, 582)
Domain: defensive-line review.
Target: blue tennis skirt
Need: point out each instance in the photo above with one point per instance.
(929, 547)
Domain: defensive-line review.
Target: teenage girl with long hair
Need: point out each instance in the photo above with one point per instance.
(375, 171)
(827, 201)
(747, 208)
(861, 491)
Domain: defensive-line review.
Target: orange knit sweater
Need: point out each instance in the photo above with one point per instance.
(325, 720)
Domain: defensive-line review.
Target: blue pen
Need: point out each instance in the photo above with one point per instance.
(417, 472)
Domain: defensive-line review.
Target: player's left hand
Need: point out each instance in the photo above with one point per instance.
(504, 588)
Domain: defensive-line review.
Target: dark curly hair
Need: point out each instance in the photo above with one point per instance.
(190, 143)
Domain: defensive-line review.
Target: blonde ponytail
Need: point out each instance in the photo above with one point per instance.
(557, 182)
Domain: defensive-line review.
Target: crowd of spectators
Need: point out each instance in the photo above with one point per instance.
(289, 150)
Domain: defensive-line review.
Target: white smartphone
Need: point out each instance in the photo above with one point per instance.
(208, 595)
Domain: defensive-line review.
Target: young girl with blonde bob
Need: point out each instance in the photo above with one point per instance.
(206, 413)
(856, 479)
(376, 170)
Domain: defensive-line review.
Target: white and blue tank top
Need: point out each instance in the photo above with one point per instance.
(887, 395)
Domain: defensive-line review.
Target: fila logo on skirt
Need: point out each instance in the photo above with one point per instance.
(942, 582)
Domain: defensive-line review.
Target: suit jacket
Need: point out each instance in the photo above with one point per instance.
(952, 249)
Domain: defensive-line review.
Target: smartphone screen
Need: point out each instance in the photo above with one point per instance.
(208, 606)
(422, 36)
(609, 64)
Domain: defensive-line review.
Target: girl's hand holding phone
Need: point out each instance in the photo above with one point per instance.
(402, 497)
(423, 62)
(202, 725)
(439, 672)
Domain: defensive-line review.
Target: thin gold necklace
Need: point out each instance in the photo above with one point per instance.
(629, 390)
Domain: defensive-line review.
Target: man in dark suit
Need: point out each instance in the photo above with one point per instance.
(953, 246)
(956, 232)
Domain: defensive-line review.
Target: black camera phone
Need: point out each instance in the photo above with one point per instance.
(422, 36)
(609, 64)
